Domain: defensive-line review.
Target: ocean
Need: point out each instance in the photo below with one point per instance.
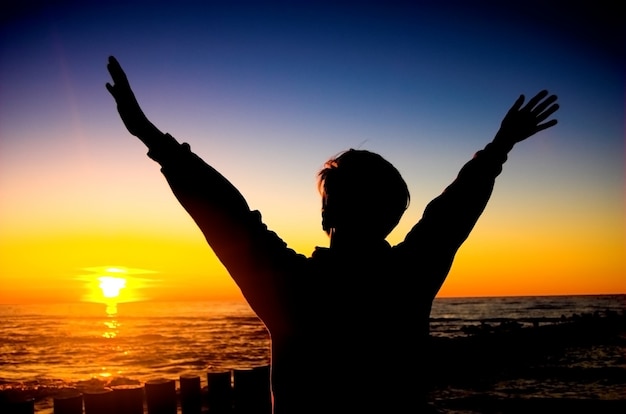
(53, 346)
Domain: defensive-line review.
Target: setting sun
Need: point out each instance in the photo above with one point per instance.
(111, 286)
(107, 284)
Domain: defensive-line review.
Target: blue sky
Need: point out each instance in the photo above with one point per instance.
(267, 91)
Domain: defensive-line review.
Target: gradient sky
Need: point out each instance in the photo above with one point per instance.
(266, 94)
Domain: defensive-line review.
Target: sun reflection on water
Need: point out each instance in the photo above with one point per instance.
(105, 373)
(111, 309)
(112, 324)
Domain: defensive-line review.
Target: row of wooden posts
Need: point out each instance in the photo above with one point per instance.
(240, 391)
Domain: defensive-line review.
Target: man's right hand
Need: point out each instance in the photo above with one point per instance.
(127, 106)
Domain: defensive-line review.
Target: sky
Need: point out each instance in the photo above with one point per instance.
(266, 92)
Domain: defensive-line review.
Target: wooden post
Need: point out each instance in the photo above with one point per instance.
(190, 394)
(264, 377)
(68, 401)
(251, 389)
(19, 405)
(99, 401)
(161, 396)
(128, 399)
(219, 392)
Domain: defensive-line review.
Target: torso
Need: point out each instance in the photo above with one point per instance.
(351, 342)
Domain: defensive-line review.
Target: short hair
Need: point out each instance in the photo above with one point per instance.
(365, 186)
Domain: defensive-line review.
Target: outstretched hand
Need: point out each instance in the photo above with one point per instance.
(522, 122)
(127, 106)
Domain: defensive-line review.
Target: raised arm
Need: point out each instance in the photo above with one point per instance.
(189, 176)
(449, 218)
(236, 235)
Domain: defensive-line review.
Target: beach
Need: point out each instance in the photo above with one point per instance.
(490, 355)
(577, 364)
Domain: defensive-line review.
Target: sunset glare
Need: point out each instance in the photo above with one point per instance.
(116, 284)
(111, 286)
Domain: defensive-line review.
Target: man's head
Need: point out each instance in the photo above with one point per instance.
(361, 193)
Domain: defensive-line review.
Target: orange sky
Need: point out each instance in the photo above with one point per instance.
(531, 255)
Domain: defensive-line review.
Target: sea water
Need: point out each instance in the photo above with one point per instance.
(60, 345)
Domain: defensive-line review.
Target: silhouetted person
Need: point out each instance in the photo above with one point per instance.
(349, 324)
